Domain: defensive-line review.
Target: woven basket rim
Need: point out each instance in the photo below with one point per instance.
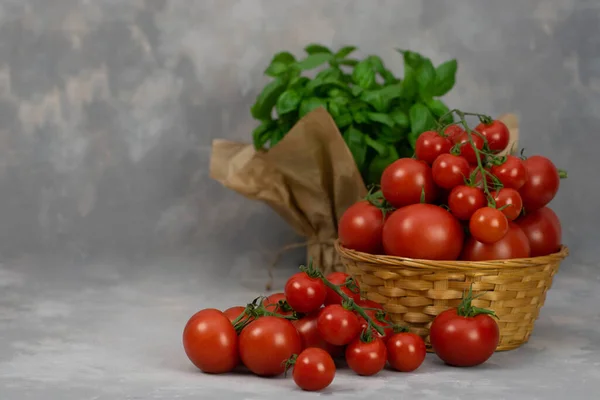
(403, 262)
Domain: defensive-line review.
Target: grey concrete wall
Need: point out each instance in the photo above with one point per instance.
(108, 107)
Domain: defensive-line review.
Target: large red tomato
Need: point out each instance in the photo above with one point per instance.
(513, 245)
(404, 180)
(307, 328)
(360, 227)
(423, 231)
(542, 228)
(542, 183)
(496, 134)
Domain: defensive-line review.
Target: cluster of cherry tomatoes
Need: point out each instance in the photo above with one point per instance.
(459, 199)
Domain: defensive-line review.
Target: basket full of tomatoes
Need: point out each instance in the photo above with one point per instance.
(463, 213)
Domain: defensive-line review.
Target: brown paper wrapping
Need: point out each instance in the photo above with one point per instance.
(309, 178)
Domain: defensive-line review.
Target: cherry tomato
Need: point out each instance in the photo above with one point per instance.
(366, 358)
(511, 173)
(465, 200)
(449, 171)
(488, 225)
(496, 134)
(211, 342)
(305, 294)
(423, 231)
(542, 183)
(453, 131)
(366, 303)
(404, 180)
(360, 228)
(543, 230)
(277, 303)
(513, 245)
(309, 334)
(489, 180)
(234, 312)
(430, 145)
(466, 148)
(314, 369)
(338, 278)
(387, 329)
(267, 343)
(338, 325)
(463, 341)
(406, 351)
(511, 199)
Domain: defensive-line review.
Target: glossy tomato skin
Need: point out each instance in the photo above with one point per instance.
(232, 313)
(466, 149)
(543, 230)
(406, 351)
(513, 245)
(496, 134)
(450, 171)
(403, 181)
(464, 341)
(338, 278)
(337, 325)
(423, 231)
(271, 303)
(488, 225)
(388, 330)
(309, 334)
(453, 132)
(430, 145)
(305, 294)
(465, 200)
(314, 370)
(542, 183)
(366, 358)
(211, 342)
(511, 173)
(511, 200)
(360, 227)
(267, 343)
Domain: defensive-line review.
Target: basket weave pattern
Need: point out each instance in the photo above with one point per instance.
(413, 292)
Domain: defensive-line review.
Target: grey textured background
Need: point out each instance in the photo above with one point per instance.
(112, 233)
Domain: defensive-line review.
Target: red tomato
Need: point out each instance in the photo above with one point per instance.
(366, 358)
(309, 334)
(211, 342)
(314, 370)
(388, 330)
(542, 183)
(406, 351)
(464, 341)
(513, 245)
(338, 278)
(338, 325)
(465, 200)
(449, 171)
(360, 228)
(488, 225)
(267, 343)
(511, 199)
(496, 134)
(511, 173)
(234, 312)
(543, 230)
(403, 181)
(423, 231)
(305, 294)
(453, 131)
(489, 180)
(466, 148)
(430, 145)
(273, 303)
(366, 303)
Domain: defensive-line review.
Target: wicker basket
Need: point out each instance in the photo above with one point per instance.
(413, 292)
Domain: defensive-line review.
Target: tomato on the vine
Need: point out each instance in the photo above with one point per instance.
(543, 230)
(314, 369)
(267, 343)
(360, 227)
(430, 145)
(366, 303)
(513, 245)
(542, 183)
(211, 342)
(465, 200)
(405, 351)
(511, 173)
(449, 171)
(423, 231)
(488, 225)
(496, 133)
(453, 131)
(234, 312)
(388, 330)
(277, 303)
(366, 358)
(309, 334)
(404, 181)
(305, 293)
(337, 325)
(339, 278)
(466, 148)
(509, 202)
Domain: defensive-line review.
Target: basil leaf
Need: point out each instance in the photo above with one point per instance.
(313, 61)
(284, 57)
(439, 109)
(348, 61)
(266, 100)
(276, 69)
(262, 133)
(343, 120)
(400, 118)
(379, 163)
(411, 58)
(299, 82)
(345, 51)
(288, 102)
(376, 63)
(363, 74)
(380, 148)
(314, 48)
(276, 136)
(389, 135)
(421, 120)
(356, 91)
(426, 79)
(380, 99)
(355, 140)
(388, 77)
(410, 85)
(381, 118)
(445, 77)
(360, 117)
(310, 104)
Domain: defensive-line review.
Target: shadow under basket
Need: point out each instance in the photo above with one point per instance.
(413, 291)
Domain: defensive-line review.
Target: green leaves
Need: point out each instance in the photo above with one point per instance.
(364, 74)
(265, 101)
(288, 102)
(344, 52)
(312, 103)
(315, 48)
(280, 64)
(313, 61)
(421, 120)
(356, 142)
(262, 134)
(445, 77)
(426, 79)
